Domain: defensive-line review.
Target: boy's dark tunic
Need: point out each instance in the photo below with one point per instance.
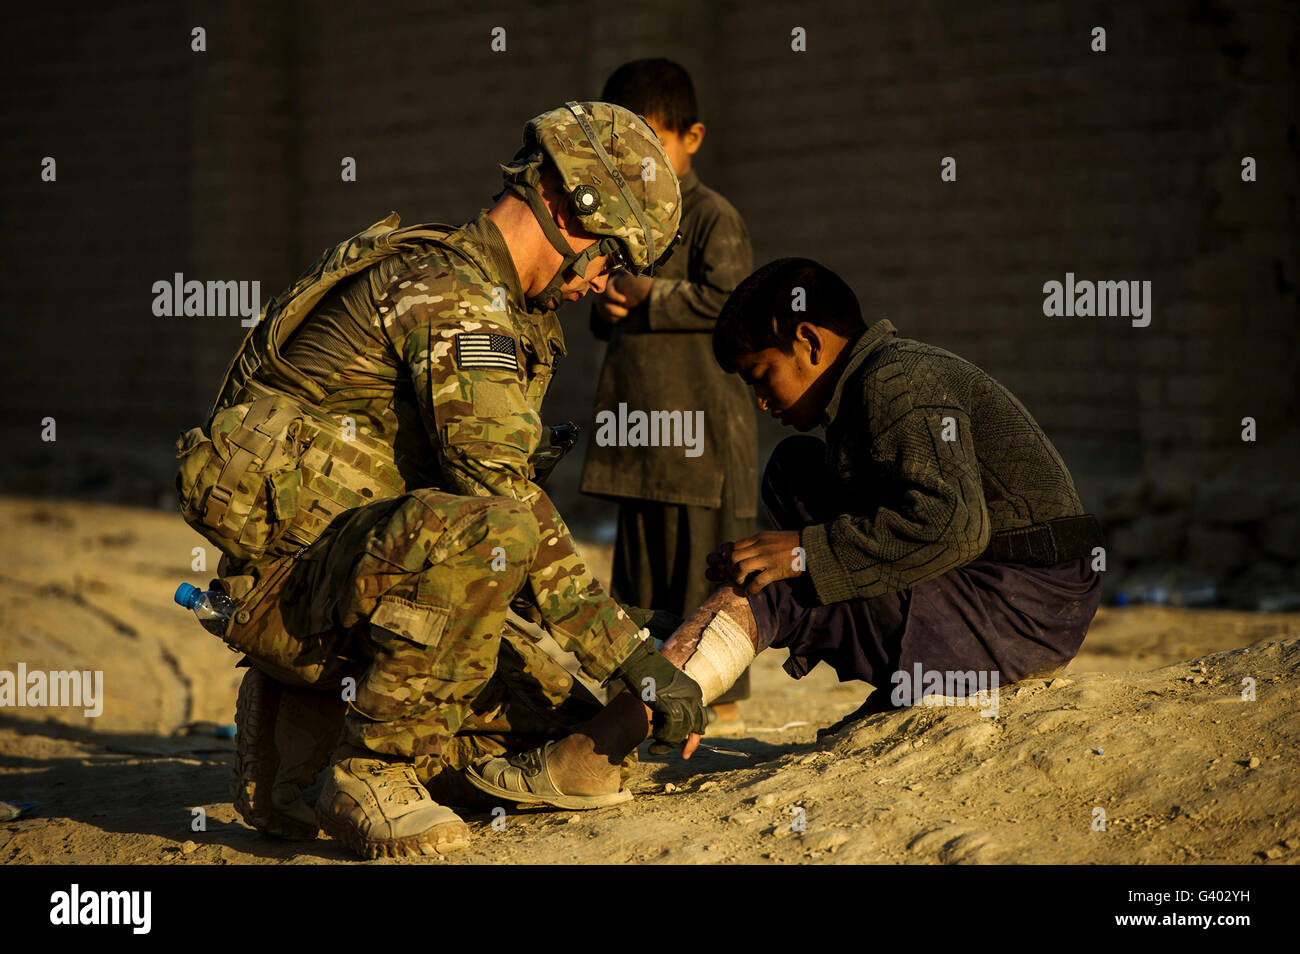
(674, 510)
(940, 526)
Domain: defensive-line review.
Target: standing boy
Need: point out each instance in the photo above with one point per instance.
(675, 509)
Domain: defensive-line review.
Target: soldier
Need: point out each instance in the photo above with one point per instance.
(368, 471)
(675, 509)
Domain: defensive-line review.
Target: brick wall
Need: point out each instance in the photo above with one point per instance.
(1115, 165)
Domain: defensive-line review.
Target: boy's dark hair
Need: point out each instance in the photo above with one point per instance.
(760, 313)
(658, 89)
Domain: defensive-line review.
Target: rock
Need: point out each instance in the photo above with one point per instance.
(827, 839)
(708, 786)
(688, 855)
(1253, 763)
(775, 798)
(189, 847)
(741, 817)
(1274, 853)
(1060, 682)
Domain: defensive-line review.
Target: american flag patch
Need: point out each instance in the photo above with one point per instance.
(486, 351)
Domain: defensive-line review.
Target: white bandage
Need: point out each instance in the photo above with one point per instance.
(722, 654)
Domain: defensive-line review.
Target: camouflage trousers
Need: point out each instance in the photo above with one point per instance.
(402, 607)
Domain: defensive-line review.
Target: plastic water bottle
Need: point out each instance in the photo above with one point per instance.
(213, 608)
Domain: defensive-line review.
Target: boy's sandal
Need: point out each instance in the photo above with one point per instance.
(524, 779)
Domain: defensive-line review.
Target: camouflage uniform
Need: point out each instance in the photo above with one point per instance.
(439, 363)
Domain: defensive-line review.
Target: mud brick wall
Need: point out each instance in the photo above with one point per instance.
(1120, 165)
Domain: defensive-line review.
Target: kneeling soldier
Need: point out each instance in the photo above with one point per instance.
(369, 473)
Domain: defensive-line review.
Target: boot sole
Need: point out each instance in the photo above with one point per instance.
(411, 846)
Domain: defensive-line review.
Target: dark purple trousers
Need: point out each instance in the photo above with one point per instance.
(1018, 620)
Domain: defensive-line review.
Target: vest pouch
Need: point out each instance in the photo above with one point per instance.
(334, 475)
(236, 484)
(271, 624)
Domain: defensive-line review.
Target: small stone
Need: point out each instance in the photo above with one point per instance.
(827, 839)
(1060, 683)
(188, 848)
(708, 786)
(670, 788)
(1274, 853)
(741, 817)
(1254, 762)
(824, 840)
(1292, 843)
(766, 801)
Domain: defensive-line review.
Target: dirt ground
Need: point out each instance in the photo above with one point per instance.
(1145, 751)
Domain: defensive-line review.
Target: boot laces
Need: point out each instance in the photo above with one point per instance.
(401, 787)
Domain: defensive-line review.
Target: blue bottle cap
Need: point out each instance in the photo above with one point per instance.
(188, 595)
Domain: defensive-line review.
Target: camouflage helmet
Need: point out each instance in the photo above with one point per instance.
(620, 183)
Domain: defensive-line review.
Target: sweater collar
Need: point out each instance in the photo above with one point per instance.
(869, 342)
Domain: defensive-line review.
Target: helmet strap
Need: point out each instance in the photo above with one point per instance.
(524, 185)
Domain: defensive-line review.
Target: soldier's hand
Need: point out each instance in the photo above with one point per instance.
(674, 698)
(757, 561)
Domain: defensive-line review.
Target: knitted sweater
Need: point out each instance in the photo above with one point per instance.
(936, 457)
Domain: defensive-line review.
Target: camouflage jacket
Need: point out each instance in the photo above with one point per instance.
(660, 358)
(436, 354)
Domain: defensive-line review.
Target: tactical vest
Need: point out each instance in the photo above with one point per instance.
(271, 469)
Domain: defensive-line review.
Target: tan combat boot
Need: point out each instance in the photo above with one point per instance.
(380, 809)
(285, 738)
